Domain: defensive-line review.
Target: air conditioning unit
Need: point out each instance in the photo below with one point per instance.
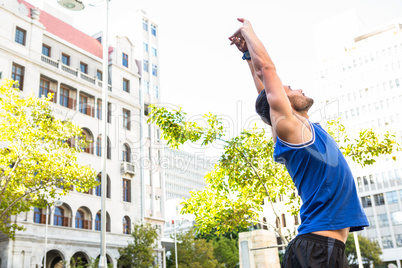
(128, 168)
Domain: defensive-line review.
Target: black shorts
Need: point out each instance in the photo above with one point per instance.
(311, 250)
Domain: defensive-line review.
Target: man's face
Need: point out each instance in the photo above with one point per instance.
(299, 102)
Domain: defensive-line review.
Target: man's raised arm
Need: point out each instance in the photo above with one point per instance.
(266, 71)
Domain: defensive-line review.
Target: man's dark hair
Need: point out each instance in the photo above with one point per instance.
(262, 107)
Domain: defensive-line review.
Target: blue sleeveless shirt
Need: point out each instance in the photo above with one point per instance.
(324, 182)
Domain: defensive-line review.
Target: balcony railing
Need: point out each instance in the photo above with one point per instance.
(74, 72)
(69, 70)
(88, 78)
(50, 61)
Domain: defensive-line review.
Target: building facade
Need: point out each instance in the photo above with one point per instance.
(40, 49)
(184, 172)
(362, 86)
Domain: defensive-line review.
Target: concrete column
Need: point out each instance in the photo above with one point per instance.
(260, 258)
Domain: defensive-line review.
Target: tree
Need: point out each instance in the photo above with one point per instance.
(36, 162)
(226, 252)
(193, 253)
(244, 175)
(246, 171)
(370, 250)
(140, 252)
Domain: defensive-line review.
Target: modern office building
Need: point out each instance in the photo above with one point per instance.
(40, 49)
(362, 86)
(184, 172)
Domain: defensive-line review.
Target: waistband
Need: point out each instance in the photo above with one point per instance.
(322, 240)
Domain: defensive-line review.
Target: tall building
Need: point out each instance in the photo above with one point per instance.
(362, 86)
(184, 172)
(40, 49)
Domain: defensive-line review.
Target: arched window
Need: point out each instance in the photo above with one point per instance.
(98, 189)
(109, 151)
(108, 187)
(88, 140)
(98, 150)
(39, 216)
(126, 225)
(98, 222)
(79, 219)
(58, 216)
(126, 153)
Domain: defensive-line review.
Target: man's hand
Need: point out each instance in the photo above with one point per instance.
(238, 39)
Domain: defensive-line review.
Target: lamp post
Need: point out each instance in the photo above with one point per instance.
(57, 203)
(78, 5)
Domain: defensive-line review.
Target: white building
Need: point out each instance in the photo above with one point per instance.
(41, 49)
(362, 86)
(184, 172)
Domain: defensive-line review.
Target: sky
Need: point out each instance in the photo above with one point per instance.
(202, 73)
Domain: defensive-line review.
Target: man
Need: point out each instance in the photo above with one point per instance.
(331, 208)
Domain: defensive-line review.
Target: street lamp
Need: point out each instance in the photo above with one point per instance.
(57, 203)
(78, 5)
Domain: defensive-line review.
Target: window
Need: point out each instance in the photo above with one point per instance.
(145, 46)
(146, 109)
(65, 59)
(98, 224)
(126, 119)
(366, 201)
(84, 68)
(84, 107)
(154, 52)
(125, 60)
(18, 75)
(392, 197)
(283, 220)
(44, 88)
(153, 30)
(154, 70)
(99, 75)
(387, 242)
(148, 202)
(146, 65)
(99, 109)
(39, 216)
(109, 112)
(296, 219)
(145, 25)
(79, 219)
(156, 91)
(383, 220)
(58, 216)
(146, 86)
(398, 239)
(98, 189)
(108, 149)
(65, 99)
(126, 225)
(126, 153)
(98, 150)
(371, 221)
(126, 85)
(396, 218)
(20, 36)
(379, 199)
(45, 50)
(126, 190)
(87, 141)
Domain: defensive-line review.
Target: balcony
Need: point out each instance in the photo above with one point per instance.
(128, 168)
(72, 71)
